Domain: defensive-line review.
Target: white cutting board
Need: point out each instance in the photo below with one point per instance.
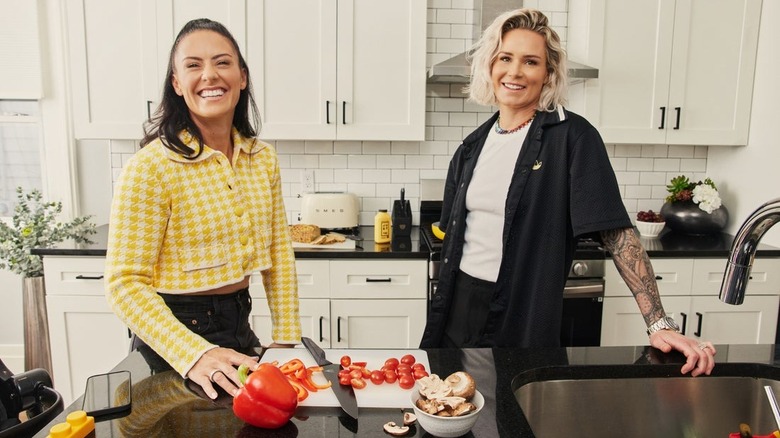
(386, 395)
(345, 245)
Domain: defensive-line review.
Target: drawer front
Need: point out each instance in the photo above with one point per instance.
(377, 279)
(674, 277)
(74, 275)
(313, 280)
(764, 277)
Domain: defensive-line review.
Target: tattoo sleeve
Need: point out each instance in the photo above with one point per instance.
(634, 266)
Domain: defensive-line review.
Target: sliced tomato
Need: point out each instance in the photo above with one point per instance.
(344, 380)
(360, 364)
(358, 383)
(408, 359)
(356, 374)
(343, 373)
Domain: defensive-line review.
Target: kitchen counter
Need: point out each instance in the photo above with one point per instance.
(164, 406)
(669, 244)
(400, 248)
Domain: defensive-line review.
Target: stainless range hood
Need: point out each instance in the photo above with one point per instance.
(457, 68)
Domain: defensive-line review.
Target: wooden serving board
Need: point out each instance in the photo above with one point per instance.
(386, 395)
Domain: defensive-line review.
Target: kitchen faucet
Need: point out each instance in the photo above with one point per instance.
(743, 251)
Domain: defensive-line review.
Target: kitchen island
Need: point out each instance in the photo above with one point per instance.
(163, 404)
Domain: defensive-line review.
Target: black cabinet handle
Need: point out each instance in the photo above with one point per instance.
(684, 321)
(149, 110)
(87, 277)
(663, 117)
(658, 277)
(677, 124)
(697, 333)
(321, 318)
(327, 112)
(379, 280)
(343, 112)
(338, 329)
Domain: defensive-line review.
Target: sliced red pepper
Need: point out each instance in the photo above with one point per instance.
(300, 391)
(266, 399)
(312, 370)
(291, 366)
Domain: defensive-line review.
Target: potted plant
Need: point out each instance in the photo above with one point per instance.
(35, 225)
(694, 207)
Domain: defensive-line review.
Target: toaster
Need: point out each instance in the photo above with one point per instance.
(330, 210)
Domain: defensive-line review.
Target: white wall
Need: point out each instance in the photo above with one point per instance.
(749, 176)
(11, 329)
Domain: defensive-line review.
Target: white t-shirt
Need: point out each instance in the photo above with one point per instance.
(486, 203)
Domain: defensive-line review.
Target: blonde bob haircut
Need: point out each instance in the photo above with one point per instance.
(483, 54)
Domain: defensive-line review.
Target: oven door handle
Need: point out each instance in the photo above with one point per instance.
(584, 289)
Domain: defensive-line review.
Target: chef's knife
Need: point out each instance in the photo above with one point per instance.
(345, 394)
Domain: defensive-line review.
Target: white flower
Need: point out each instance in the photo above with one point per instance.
(707, 197)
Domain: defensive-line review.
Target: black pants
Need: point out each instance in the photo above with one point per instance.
(220, 319)
(468, 312)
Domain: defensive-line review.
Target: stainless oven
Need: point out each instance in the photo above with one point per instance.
(583, 296)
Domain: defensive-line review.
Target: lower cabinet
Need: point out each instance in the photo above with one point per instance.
(689, 290)
(86, 337)
(354, 303)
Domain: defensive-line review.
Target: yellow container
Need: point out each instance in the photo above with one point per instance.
(382, 229)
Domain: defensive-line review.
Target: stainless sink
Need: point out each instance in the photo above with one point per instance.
(646, 400)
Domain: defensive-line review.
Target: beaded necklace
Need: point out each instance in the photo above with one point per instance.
(500, 130)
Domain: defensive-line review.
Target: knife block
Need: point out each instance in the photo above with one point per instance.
(401, 218)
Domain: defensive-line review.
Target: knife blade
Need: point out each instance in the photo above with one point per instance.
(344, 394)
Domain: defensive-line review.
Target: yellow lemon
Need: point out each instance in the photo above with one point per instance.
(437, 231)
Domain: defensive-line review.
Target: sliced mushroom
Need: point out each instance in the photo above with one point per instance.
(428, 406)
(395, 430)
(452, 401)
(462, 384)
(432, 387)
(409, 418)
(463, 409)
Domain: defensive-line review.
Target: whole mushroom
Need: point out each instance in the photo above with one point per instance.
(462, 384)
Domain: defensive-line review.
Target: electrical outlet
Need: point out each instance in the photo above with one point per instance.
(307, 181)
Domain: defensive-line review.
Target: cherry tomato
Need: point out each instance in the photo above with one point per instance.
(343, 373)
(403, 369)
(408, 359)
(419, 373)
(366, 373)
(346, 361)
(358, 383)
(344, 380)
(391, 363)
(418, 366)
(406, 381)
(390, 376)
(356, 374)
(377, 377)
(360, 364)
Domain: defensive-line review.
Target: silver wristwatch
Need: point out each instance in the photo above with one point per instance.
(665, 323)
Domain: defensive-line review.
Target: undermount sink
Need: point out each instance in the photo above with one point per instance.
(646, 400)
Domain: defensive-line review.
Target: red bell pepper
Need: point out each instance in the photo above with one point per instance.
(266, 398)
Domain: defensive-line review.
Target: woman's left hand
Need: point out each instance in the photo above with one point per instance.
(700, 355)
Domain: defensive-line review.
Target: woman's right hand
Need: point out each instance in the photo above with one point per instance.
(219, 366)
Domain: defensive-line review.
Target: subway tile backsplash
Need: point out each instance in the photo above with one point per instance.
(376, 171)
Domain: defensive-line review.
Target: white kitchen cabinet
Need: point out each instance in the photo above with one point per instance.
(349, 303)
(333, 69)
(670, 72)
(119, 55)
(689, 291)
(86, 336)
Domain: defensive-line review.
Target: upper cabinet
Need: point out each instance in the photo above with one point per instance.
(670, 71)
(339, 69)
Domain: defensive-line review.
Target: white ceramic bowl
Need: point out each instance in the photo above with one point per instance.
(447, 426)
(650, 229)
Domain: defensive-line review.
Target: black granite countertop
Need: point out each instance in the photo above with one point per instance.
(164, 406)
(667, 245)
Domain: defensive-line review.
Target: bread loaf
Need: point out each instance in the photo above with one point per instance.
(304, 233)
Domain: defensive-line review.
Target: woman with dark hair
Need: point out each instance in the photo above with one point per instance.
(195, 212)
(520, 190)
